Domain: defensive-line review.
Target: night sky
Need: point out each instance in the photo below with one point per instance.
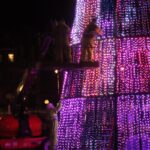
(33, 15)
(21, 20)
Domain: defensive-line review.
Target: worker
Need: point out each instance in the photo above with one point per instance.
(53, 117)
(62, 42)
(87, 41)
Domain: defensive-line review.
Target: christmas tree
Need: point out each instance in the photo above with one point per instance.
(108, 107)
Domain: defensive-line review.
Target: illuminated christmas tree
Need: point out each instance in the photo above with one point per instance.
(108, 107)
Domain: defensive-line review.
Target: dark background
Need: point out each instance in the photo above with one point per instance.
(33, 15)
(21, 21)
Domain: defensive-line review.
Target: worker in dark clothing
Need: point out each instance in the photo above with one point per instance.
(87, 41)
(62, 42)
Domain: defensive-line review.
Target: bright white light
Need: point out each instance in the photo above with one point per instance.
(56, 71)
(122, 68)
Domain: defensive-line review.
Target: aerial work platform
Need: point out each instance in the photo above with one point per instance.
(78, 66)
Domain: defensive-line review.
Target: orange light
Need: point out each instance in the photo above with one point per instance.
(11, 57)
(46, 101)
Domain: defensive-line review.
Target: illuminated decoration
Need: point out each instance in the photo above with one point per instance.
(108, 107)
(76, 130)
(11, 57)
(134, 122)
(84, 11)
(133, 56)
